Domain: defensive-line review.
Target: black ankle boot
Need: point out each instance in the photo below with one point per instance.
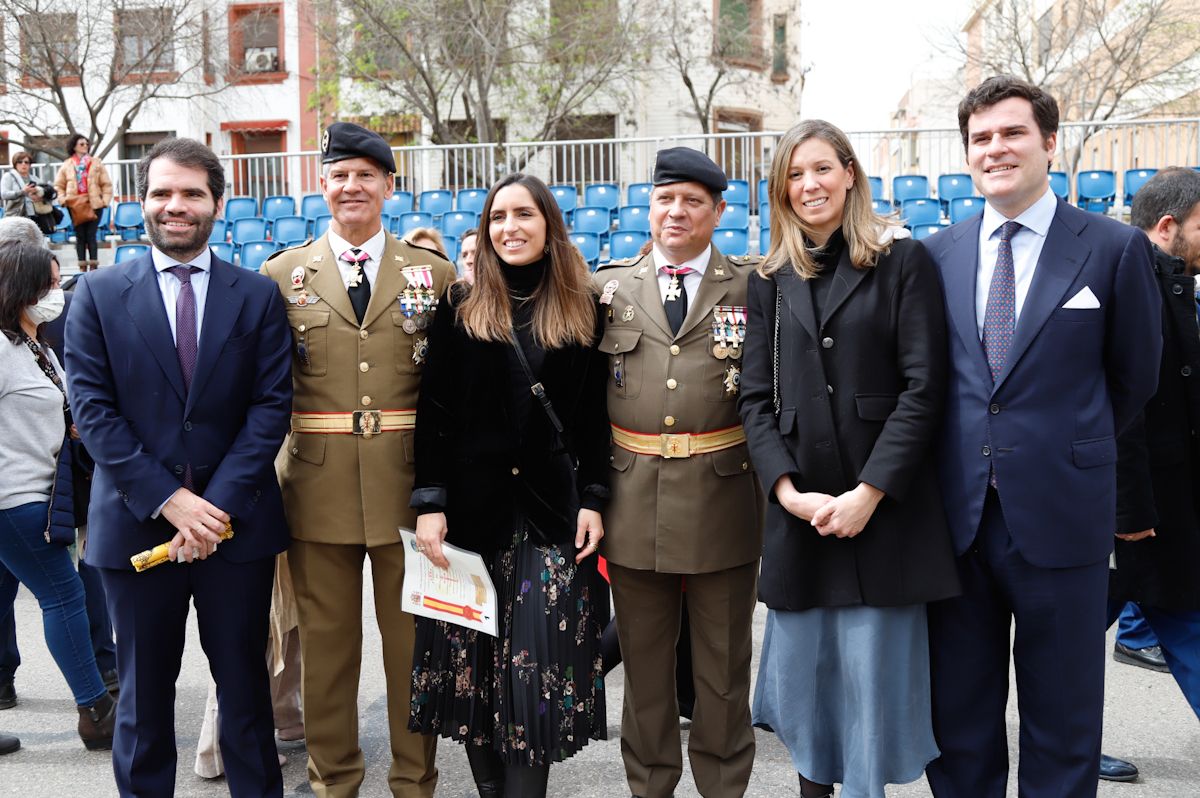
(96, 724)
(487, 769)
(526, 781)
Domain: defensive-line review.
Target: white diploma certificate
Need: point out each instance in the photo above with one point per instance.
(462, 594)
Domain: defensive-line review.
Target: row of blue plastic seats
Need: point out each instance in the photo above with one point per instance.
(1095, 189)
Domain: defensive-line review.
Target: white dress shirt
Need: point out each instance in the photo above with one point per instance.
(691, 281)
(373, 246)
(1027, 246)
(169, 285)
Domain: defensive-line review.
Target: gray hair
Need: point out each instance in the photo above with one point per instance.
(1173, 192)
(21, 230)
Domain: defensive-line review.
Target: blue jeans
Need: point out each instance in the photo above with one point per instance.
(1133, 631)
(1178, 632)
(48, 573)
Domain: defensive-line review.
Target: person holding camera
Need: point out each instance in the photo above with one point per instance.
(22, 195)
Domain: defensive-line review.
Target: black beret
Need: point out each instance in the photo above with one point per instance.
(344, 140)
(685, 165)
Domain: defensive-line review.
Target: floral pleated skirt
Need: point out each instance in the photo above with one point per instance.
(535, 694)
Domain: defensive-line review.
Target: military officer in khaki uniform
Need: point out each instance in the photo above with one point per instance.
(359, 302)
(685, 507)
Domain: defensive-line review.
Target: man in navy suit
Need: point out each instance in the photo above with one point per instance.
(1054, 350)
(180, 384)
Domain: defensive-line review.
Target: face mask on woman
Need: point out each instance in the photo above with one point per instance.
(48, 308)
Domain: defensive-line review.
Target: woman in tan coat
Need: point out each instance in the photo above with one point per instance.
(83, 173)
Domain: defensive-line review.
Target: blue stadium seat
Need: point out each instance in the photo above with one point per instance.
(64, 229)
(591, 219)
(470, 199)
(1096, 190)
(964, 208)
(589, 246)
(244, 230)
(126, 252)
(254, 254)
(764, 186)
(400, 202)
(732, 242)
(455, 223)
(128, 220)
(566, 197)
(925, 230)
(952, 186)
(764, 240)
(881, 206)
(386, 221)
(736, 216)
(435, 202)
(626, 243)
(906, 187)
(876, 184)
(922, 210)
(451, 247)
(223, 250)
(288, 231)
(321, 224)
(764, 215)
(104, 225)
(313, 205)
(634, 217)
(738, 192)
(602, 195)
(638, 193)
(1060, 184)
(240, 208)
(220, 232)
(1135, 179)
(274, 207)
(408, 221)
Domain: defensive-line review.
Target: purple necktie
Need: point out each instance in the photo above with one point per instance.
(999, 319)
(186, 344)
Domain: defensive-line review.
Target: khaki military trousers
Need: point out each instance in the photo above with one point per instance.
(721, 743)
(328, 579)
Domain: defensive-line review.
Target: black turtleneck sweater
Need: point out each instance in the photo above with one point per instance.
(827, 260)
(522, 282)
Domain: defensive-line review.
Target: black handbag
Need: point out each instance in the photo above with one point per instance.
(553, 523)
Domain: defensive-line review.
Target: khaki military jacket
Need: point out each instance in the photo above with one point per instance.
(696, 514)
(347, 488)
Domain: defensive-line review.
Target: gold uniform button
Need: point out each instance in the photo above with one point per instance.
(674, 349)
(363, 367)
(745, 466)
(669, 421)
(302, 328)
(363, 334)
(672, 384)
(516, 471)
(366, 400)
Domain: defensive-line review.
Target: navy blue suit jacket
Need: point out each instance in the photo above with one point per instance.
(1074, 378)
(142, 428)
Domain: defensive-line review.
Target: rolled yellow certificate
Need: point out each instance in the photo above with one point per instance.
(161, 553)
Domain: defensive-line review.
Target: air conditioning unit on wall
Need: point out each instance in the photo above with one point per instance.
(262, 59)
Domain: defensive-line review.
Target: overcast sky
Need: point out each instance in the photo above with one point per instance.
(862, 55)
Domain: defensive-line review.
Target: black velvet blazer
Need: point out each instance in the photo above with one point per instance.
(487, 469)
(862, 392)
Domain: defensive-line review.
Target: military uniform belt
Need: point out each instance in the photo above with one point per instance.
(683, 444)
(358, 422)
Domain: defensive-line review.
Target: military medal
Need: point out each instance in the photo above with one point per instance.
(618, 375)
(674, 291)
(733, 379)
(627, 314)
(420, 350)
(610, 289)
(417, 300)
(409, 326)
(302, 299)
(729, 331)
(298, 278)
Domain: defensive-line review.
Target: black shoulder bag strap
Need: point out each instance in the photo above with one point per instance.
(536, 387)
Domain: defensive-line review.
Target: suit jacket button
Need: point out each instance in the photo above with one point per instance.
(674, 349)
(187, 426)
(178, 469)
(516, 472)
(829, 389)
(1177, 289)
(1186, 371)
(994, 409)
(827, 343)
(987, 451)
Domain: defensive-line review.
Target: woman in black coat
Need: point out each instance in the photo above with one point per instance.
(499, 473)
(842, 391)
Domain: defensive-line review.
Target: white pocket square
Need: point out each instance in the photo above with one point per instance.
(1084, 300)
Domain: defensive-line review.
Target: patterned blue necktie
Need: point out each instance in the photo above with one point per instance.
(999, 319)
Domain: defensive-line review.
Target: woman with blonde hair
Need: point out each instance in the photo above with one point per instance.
(842, 389)
(426, 237)
(519, 476)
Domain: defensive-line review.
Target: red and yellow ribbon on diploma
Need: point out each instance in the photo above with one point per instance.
(465, 611)
(161, 553)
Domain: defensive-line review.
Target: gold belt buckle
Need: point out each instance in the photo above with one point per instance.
(672, 446)
(367, 423)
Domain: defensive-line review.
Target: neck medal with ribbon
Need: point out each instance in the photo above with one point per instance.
(417, 300)
(729, 331)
